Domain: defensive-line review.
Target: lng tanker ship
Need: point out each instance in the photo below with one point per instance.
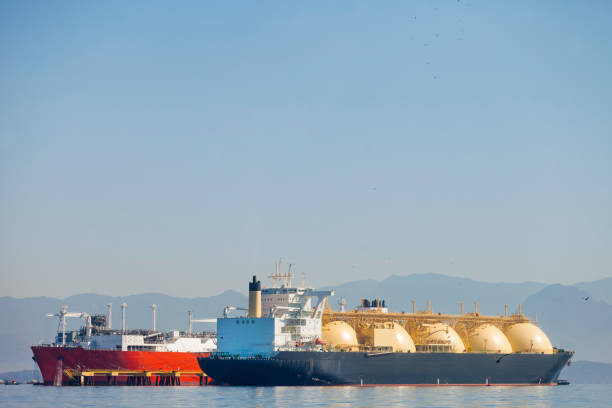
(290, 337)
(99, 355)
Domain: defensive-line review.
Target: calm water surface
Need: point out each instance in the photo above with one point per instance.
(269, 397)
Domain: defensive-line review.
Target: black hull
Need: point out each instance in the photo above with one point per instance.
(357, 368)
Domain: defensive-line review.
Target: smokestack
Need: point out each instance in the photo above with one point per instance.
(520, 309)
(154, 307)
(109, 316)
(254, 298)
(505, 310)
(190, 313)
(123, 306)
(476, 307)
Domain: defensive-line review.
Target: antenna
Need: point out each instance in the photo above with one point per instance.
(342, 303)
(286, 278)
(289, 276)
(276, 275)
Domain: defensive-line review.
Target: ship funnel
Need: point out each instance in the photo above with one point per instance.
(254, 298)
(123, 306)
(154, 308)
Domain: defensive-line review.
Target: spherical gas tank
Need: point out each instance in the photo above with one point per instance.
(404, 341)
(339, 334)
(395, 336)
(443, 333)
(488, 339)
(528, 338)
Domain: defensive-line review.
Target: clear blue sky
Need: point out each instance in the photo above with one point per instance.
(181, 147)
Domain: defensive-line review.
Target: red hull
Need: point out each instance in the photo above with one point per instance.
(70, 362)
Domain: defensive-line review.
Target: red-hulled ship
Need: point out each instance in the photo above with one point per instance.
(98, 355)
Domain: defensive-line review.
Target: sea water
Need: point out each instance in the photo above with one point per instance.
(270, 397)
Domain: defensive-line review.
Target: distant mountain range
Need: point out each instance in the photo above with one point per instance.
(576, 317)
(22, 376)
(600, 289)
(570, 321)
(588, 372)
(444, 292)
(23, 321)
(574, 323)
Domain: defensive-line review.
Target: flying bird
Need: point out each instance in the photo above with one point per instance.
(586, 298)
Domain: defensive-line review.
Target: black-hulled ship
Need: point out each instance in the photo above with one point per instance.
(297, 341)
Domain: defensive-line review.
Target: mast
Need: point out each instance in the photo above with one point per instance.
(154, 308)
(109, 316)
(123, 306)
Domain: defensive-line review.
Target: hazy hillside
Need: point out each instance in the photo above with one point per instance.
(445, 293)
(570, 321)
(584, 326)
(22, 376)
(600, 289)
(23, 321)
(588, 372)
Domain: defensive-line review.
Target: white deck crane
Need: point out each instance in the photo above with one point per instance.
(192, 321)
(63, 314)
(228, 308)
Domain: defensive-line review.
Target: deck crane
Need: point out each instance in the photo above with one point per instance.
(192, 321)
(63, 314)
(228, 308)
(226, 311)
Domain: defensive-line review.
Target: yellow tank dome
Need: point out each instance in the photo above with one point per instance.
(391, 334)
(488, 339)
(339, 334)
(443, 333)
(527, 337)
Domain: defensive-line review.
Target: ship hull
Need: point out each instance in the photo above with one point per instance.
(66, 366)
(357, 368)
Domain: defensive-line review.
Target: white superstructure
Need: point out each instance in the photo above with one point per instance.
(171, 341)
(97, 335)
(290, 319)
